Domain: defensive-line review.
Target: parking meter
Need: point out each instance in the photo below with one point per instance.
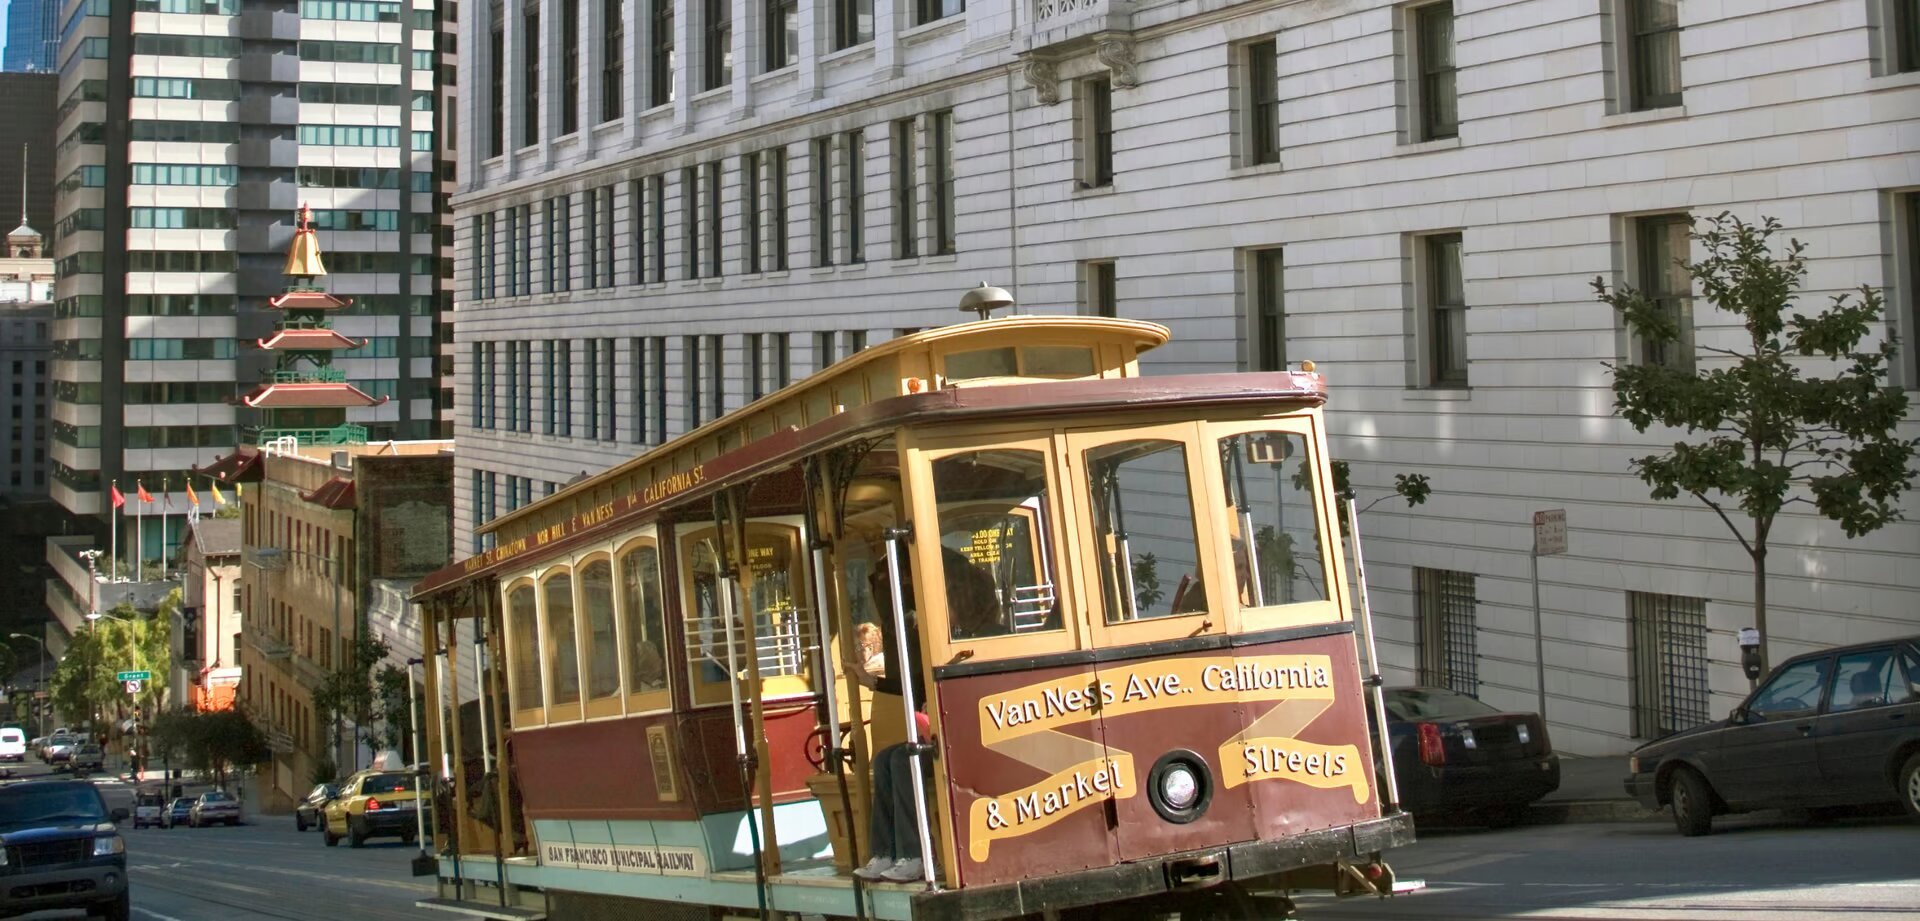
(1750, 653)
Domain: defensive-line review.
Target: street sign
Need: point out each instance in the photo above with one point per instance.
(133, 685)
(41, 695)
(133, 676)
(1550, 532)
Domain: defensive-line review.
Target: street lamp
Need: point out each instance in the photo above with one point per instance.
(267, 555)
(45, 661)
(92, 557)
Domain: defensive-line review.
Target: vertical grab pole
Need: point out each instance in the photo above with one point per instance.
(724, 588)
(419, 758)
(1381, 742)
(894, 536)
(828, 691)
(480, 685)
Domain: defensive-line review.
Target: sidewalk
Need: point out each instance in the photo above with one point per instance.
(1591, 790)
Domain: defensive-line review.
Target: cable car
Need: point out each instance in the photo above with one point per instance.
(1101, 622)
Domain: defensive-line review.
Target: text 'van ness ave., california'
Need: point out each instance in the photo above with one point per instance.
(1147, 686)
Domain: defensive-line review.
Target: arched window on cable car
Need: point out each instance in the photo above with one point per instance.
(563, 651)
(602, 645)
(644, 623)
(527, 692)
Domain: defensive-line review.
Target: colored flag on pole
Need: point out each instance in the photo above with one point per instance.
(141, 491)
(118, 499)
(218, 499)
(193, 498)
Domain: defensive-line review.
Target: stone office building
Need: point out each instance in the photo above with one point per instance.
(667, 209)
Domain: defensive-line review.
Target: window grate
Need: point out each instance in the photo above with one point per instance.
(1449, 655)
(1669, 663)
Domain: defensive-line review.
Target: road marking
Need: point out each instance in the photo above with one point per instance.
(154, 914)
(1457, 864)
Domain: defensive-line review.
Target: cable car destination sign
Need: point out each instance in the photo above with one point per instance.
(1024, 724)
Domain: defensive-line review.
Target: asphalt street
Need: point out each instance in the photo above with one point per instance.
(1754, 868)
(1763, 867)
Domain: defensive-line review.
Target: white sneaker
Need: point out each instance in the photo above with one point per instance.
(906, 871)
(875, 868)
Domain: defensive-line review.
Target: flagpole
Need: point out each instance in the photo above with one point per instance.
(139, 532)
(113, 518)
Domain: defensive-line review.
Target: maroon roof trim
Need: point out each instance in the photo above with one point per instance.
(336, 493)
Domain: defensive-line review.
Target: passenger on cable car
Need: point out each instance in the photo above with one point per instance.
(895, 839)
(974, 607)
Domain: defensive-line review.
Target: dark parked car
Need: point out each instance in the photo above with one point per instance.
(59, 850)
(179, 812)
(307, 814)
(1833, 728)
(1455, 754)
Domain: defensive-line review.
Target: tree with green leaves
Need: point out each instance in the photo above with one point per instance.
(212, 741)
(1798, 413)
(348, 691)
(83, 684)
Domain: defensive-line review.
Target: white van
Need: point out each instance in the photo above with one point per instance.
(13, 745)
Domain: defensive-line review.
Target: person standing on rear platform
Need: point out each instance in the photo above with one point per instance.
(891, 830)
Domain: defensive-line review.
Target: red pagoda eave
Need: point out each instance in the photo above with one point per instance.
(296, 339)
(308, 300)
(312, 395)
(336, 493)
(239, 467)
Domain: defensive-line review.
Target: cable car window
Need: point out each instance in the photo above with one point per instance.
(562, 655)
(603, 649)
(1269, 487)
(523, 627)
(645, 623)
(782, 623)
(998, 362)
(1057, 361)
(1145, 543)
(994, 530)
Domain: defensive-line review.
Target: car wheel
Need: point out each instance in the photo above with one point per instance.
(299, 822)
(1910, 785)
(327, 835)
(356, 836)
(1692, 803)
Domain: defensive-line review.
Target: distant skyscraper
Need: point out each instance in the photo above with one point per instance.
(28, 104)
(33, 36)
(176, 202)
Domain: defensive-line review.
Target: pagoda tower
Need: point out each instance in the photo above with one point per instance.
(304, 397)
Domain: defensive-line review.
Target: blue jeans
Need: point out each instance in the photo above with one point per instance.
(892, 828)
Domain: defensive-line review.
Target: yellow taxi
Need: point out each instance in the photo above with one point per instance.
(372, 804)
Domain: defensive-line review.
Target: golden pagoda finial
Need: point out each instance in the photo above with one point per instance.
(303, 257)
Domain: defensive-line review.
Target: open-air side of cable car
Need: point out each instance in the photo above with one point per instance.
(1142, 672)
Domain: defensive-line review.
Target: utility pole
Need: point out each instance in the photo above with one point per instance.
(92, 557)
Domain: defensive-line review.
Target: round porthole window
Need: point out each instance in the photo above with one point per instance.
(1180, 786)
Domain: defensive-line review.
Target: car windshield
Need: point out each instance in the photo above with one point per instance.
(385, 783)
(183, 803)
(1433, 704)
(213, 797)
(29, 806)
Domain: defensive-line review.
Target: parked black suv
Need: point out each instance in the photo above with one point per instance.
(59, 850)
(1839, 727)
